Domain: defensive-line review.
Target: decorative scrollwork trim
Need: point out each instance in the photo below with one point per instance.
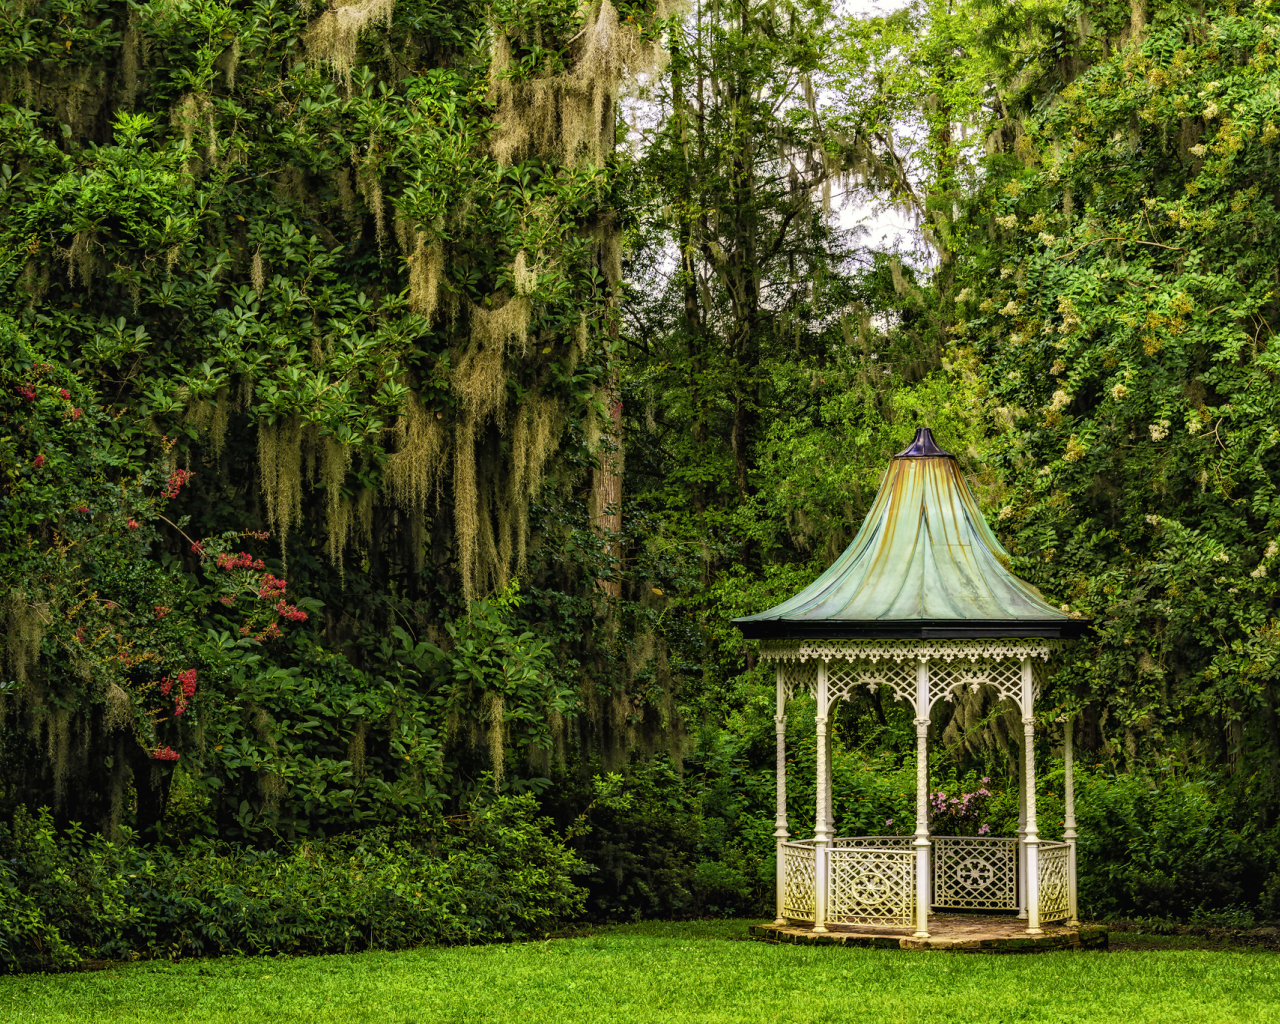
(915, 650)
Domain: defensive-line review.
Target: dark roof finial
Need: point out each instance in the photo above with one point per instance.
(923, 447)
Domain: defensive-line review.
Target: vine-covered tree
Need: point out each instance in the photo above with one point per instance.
(353, 272)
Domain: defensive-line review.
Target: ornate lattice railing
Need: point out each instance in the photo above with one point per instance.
(975, 873)
(870, 886)
(799, 893)
(873, 842)
(871, 880)
(1055, 881)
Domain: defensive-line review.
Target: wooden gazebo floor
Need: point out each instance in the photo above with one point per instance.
(958, 932)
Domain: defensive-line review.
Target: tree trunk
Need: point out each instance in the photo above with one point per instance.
(606, 490)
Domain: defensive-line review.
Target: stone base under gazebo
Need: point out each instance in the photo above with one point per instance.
(959, 933)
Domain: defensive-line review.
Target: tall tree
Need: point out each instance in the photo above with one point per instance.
(353, 266)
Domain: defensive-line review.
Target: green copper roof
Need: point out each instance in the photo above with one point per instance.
(924, 564)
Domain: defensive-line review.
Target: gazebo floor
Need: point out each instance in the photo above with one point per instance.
(975, 933)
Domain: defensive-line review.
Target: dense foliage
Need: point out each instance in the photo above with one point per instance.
(398, 399)
(495, 873)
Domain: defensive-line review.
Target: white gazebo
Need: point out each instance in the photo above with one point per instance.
(922, 604)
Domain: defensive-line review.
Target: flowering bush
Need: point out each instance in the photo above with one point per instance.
(243, 574)
(962, 814)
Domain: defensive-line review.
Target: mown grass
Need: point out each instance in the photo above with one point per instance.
(664, 972)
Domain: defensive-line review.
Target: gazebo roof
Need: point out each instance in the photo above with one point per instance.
(925, 565)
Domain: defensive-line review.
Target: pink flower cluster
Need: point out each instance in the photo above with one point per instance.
(943, 804)
(38, 462)
(957, 815)
(290, 611)
(272, 587)
(165, 754)
(133, 524)
(244, 560)
(272, 632)
(28, 393)
(187, 689)
(177, 479)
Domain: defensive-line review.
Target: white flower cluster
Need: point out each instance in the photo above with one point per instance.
(963, 296)
(1011, 309)
(1152, 519)
(1222, 556)
(1060, 400)
(1009, 222)
(1047, 239)
(1159, 431)
(1211, 111)
(1005, 513)
(1199, 150)
(1119, 392)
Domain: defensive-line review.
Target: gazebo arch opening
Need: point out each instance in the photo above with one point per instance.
(921, 604)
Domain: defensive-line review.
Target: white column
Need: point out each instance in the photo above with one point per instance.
(780, 833)
(830, 787)
(1069, 824)
(1021, 769)
(822, 831)
(923, 896)
(1032, 840)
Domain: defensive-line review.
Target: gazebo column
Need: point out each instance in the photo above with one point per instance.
(1069, 822)
(923, 896)
(1032, 840)
(830, 787)
(1020, 767)
(821, 826)
(780, 833)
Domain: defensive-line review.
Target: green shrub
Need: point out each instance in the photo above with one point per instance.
(1159, 847)
(722, 890)
(497, 872)
(643, 843)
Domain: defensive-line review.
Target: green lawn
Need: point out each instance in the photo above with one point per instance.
(665, 972)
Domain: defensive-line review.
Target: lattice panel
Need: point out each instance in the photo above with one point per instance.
(843, 677)
(874, 842)
(1055, 881)
(800, 872)
(975, 873)
(798, 676)
(1005, 677)
(872, 887)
